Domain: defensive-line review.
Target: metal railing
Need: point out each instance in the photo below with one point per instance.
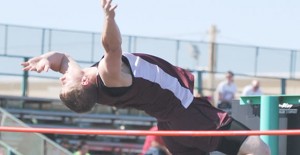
(86, 47)
(7, 150)
(28, 143)
(278, 66)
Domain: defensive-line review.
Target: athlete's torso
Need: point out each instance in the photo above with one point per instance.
(158, 88)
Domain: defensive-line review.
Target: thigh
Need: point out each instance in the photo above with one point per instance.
(179, 145)
(200, 115)
(231, 144)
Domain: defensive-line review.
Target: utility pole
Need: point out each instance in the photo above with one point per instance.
(212, 59)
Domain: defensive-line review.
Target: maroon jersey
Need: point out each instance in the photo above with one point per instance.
(165, 92)
(157, 88)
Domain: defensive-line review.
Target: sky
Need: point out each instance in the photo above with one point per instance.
(268, 23)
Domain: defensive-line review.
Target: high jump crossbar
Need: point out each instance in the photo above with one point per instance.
(147, 132)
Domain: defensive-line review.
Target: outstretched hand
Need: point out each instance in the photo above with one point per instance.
(108, 9)
(37, 64)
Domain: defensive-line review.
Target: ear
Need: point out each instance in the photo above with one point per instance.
(84, 81)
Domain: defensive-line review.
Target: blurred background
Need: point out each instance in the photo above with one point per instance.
(256, 40)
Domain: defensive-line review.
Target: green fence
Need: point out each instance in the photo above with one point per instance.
(86, 47)
(276, 68)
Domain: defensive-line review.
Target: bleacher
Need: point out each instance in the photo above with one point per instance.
(50, 113)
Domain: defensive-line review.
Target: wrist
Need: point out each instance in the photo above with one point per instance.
(110, 17)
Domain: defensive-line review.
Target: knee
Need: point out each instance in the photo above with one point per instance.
(266, 149)
(255, 146)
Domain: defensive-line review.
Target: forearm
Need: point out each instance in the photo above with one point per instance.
(61, 62)
(111, 37)
(55, 60)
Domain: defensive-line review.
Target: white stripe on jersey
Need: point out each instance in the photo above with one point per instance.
(143, 69)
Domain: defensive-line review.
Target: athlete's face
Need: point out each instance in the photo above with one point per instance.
(72, 78)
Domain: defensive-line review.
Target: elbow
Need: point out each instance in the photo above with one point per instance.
(112, 46)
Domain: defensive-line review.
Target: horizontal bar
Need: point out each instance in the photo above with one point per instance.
(146, 132)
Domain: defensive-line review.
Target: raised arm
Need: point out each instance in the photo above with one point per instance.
(111, 37)
(111, 65)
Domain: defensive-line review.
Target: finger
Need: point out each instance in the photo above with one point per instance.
(24, 64)
(27, 68)
(107, 6)
(109, 2)
(46, 68)
(32, 69)
(40, 69)
(114, 7)
(34, 59)
(103, 3)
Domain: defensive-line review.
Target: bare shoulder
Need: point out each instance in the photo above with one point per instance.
(119, 78)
